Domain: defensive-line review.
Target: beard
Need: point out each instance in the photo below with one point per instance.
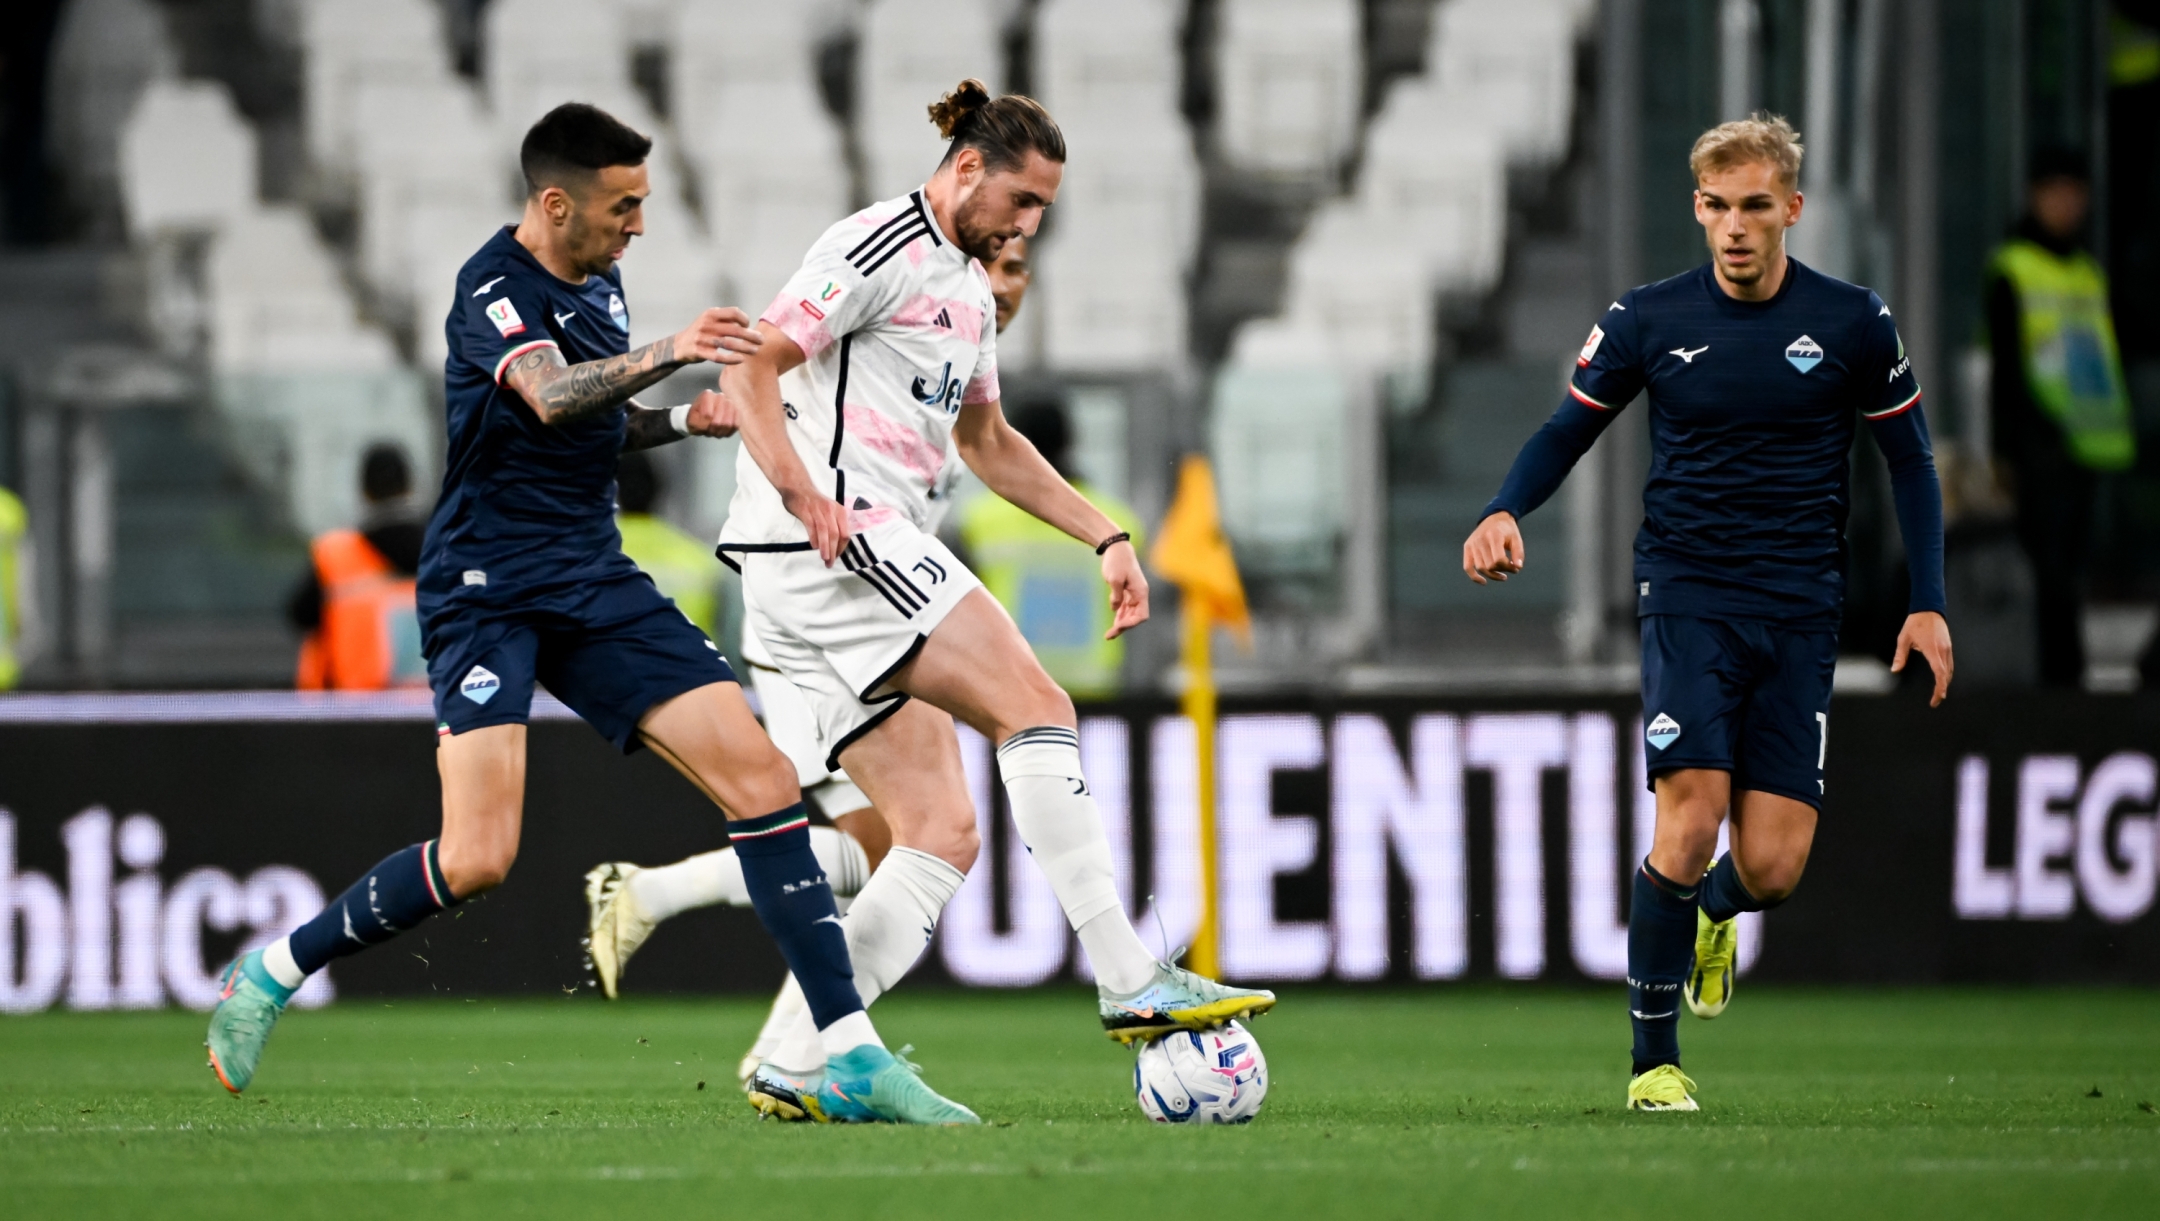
(977, 238)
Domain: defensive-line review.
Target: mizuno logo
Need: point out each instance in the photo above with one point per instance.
(1640, 1016)
(562, 318)
(1885, 312)
(828, 920)
(482, 291)
(1688, 357)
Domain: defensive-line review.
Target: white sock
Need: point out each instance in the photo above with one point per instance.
(849, 1033)
(277, 959)
(788, 1008)
(1064, 832)
(888, 928)
(665, 891)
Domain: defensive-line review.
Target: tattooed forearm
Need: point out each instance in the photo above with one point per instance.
(648, 426)
(563, 394)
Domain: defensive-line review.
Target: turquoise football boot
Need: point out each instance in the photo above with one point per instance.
(247, 1008)
(872, 1085)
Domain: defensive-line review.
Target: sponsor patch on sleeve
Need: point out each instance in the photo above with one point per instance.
(505, 317)
(1590, 346)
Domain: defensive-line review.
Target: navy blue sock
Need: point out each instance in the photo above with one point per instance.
(1660, 943)
(795, 903)
(1725, 896)
(404, 889)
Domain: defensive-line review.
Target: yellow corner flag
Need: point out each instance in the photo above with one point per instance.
(1192, 553)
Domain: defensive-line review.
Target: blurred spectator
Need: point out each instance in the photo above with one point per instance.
(14, 590)
(356, 602)
(2060, 411)
(679, 563)
(1050, 582)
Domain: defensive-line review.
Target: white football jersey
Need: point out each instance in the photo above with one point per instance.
(900, 330)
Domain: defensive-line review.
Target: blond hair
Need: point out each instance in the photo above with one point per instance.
(1759, 137)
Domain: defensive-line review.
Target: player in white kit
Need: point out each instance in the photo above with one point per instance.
(878, 353)
(627, 902)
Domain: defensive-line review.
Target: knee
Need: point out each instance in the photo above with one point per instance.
(953, 840)
(473, 870)
(1771, 881)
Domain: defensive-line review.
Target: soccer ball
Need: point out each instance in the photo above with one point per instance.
(1207, 1076)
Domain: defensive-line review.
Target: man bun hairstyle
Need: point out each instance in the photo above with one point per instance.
(1761, 137)
(1004, 130)
(573, 142)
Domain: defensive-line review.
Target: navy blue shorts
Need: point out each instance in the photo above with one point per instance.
(610, 669)
(1740, 696)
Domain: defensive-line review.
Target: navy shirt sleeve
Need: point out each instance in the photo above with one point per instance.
(499, 319)
(1608, 374)
(1891, 406)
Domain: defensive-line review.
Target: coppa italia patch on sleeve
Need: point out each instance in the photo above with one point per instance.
(505, 317)
(824, 299)
(1589, 347)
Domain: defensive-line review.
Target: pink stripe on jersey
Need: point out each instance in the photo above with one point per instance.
(800, 321)
(896, 441)
(983, 389)
(859, 520)
(961, 318)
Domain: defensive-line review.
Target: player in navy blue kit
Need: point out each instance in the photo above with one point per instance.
(1756, 367)
(523, 580)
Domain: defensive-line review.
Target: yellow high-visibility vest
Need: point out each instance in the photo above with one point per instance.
(683, 567)
(14, 523)
(2072, 366)
(1051, 584)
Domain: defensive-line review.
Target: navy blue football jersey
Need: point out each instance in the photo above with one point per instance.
(1753, 407)
(526, 517)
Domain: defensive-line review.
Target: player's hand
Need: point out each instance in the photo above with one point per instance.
(1927, 634)
(722, 334)
(825, 518)
(1493, 550)
(712, 414)
(1128, 589)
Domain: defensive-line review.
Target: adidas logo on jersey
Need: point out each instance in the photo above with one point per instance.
(943, 320)
(1804, 353)
(1663, 731)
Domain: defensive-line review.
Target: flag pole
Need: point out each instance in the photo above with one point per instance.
(1199, 708)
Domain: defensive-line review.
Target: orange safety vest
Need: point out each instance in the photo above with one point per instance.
(369, 638)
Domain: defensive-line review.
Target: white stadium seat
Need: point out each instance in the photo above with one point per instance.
(767, 154)
(348, 43)
(542, 53)
(187, 159)
(912, 53)
(1289, 74)
(1510, 63)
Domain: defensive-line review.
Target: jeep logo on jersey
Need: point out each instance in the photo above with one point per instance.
(1663, 731)
(1804, 353)
(617, 311)
(480, 685)
(945, 391)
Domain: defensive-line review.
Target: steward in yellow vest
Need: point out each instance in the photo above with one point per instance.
(2059, 409)
(1050, 583)
(355, 606)
(14, 525)
(681, 564)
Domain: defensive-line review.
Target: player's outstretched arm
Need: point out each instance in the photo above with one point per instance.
(1010, 465)
(753, 386)
(561, 393)
(708, 415)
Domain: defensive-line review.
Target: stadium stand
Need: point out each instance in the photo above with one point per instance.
(1113, 266)
(912, 52)
(1289, 78)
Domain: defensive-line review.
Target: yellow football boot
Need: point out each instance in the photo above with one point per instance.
(1664, 1088)
(1709, 986)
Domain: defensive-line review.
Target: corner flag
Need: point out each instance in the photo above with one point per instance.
(1193, 554)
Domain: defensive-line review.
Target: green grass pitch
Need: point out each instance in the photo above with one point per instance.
(1460, 1102)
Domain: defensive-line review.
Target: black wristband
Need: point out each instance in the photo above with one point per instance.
(1112, 541)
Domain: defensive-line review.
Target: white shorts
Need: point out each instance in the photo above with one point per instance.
(839, 633)
(794, 729)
